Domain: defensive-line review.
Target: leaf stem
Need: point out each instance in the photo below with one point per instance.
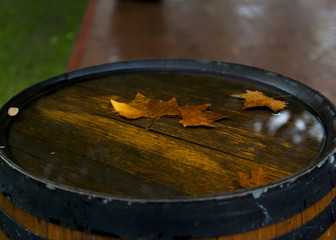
(150, 124)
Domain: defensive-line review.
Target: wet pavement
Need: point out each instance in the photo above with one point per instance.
(296, 38)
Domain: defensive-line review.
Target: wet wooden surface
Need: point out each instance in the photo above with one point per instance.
(293, 37)
(73, 137)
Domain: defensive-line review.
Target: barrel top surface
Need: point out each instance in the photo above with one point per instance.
(70, 135)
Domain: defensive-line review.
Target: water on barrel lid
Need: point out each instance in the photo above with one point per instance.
(72, 137)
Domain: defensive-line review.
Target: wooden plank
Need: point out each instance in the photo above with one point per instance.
(78, 123)
(235, 136)
(194, 90)
(3, 236)
(192, 166)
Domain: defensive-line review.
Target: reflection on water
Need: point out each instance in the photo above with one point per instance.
(258, 125)
(82, 144)
(292, 127)
(276, 121)
(300, 124)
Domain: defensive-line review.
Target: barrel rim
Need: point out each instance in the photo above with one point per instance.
(134, 64)
(322, 107)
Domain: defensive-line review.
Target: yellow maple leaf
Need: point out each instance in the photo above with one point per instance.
(141, 106)
(197, 115)
(258, 99)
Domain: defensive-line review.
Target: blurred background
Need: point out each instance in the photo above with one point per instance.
(36, 39)
(296, 38)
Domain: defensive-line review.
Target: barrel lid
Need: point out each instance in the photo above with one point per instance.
(63, 144)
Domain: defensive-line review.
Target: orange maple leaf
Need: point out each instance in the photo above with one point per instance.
(255, 178)
(142, 106)
(258, 99)
(197, 115)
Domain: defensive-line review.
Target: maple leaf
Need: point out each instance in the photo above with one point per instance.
(197, 115)
(141, 106)
(258, 99)
(255, 178)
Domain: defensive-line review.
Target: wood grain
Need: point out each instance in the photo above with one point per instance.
(72, 137)
(75, 138)
(3, 236)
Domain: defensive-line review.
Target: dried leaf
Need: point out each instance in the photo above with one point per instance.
(258, 99)
(255, 178)
(197, 115)
(142, 106)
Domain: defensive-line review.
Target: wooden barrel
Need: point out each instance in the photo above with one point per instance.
(72, 167)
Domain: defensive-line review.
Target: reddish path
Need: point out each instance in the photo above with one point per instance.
(294, 38)
(79, 48)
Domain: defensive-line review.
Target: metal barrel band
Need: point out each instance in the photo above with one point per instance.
(315, 227)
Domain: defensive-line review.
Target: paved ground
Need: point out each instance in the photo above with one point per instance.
(296, 38)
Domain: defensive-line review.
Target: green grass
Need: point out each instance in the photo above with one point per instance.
(36, 39)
